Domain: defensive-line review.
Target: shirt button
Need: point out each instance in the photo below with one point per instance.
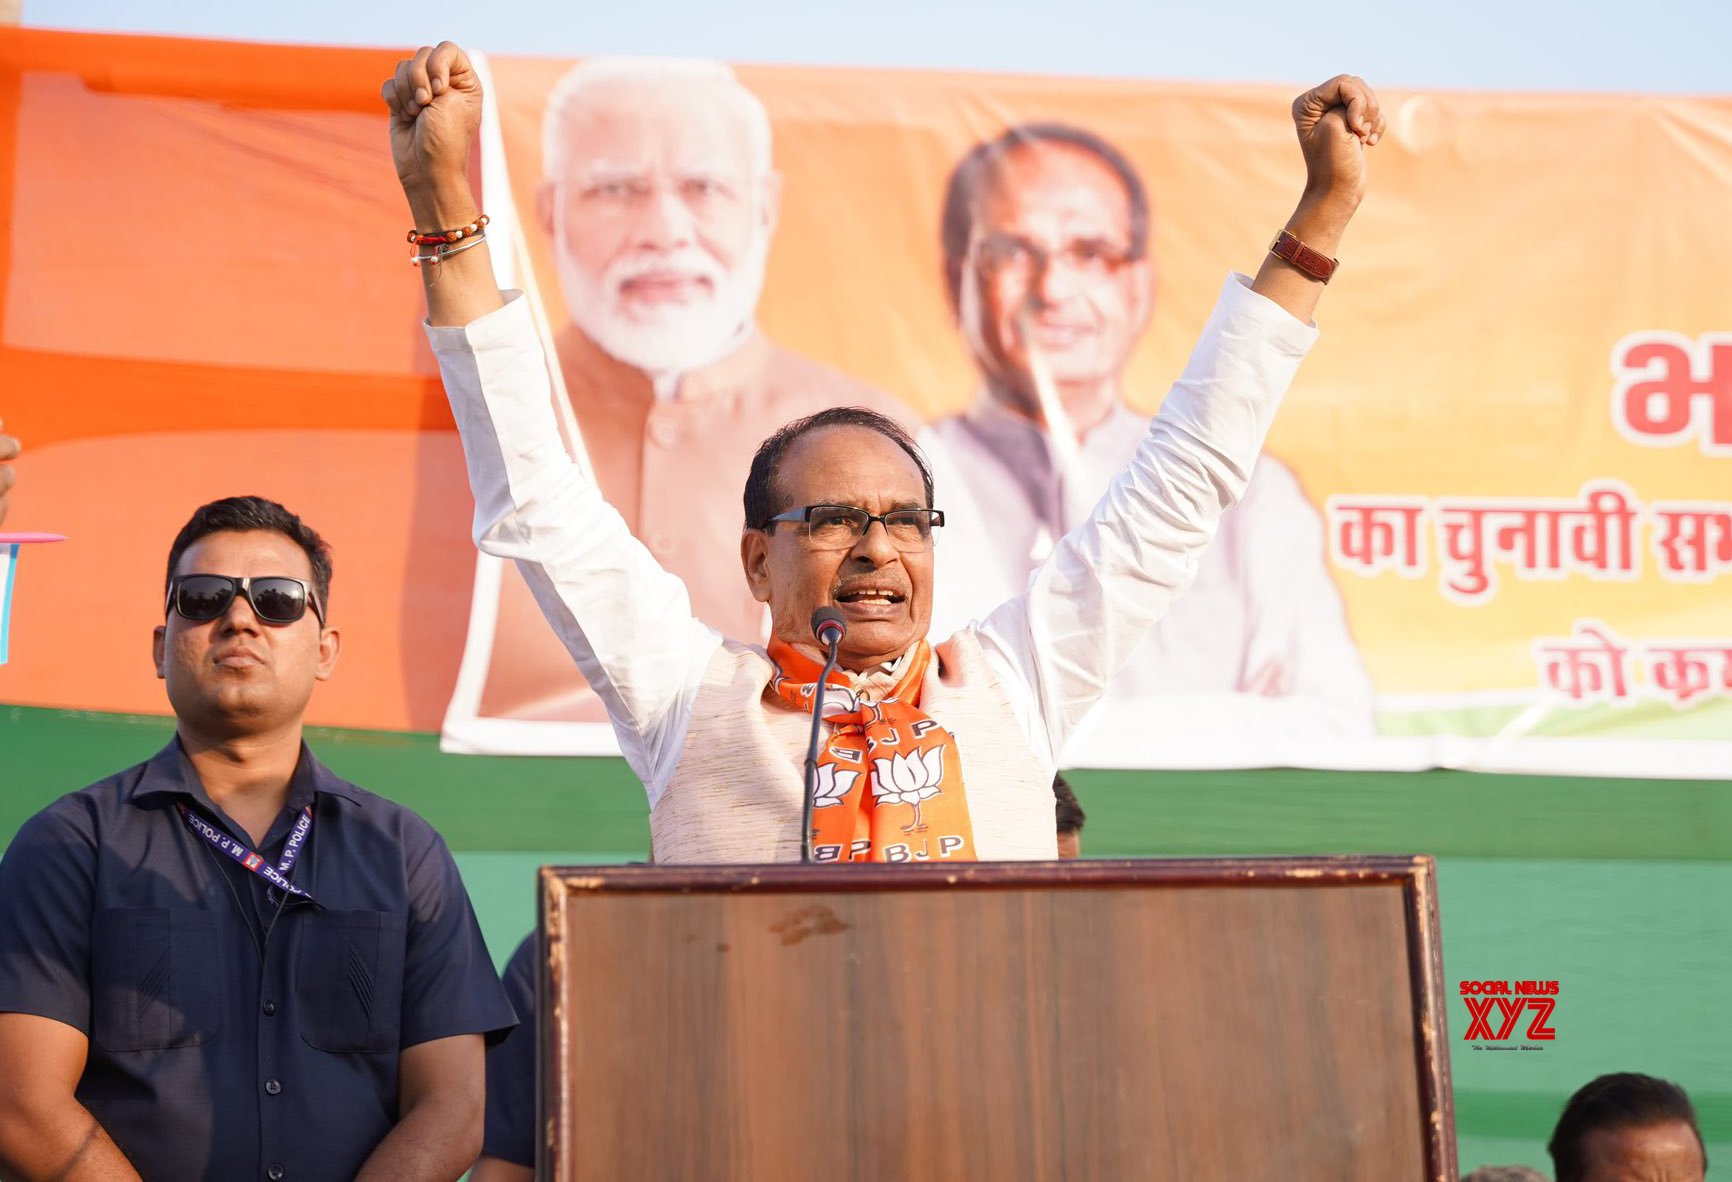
(270, 1008)
(661, 542)
(273, 1087)
(275, 1174)
(664, 433)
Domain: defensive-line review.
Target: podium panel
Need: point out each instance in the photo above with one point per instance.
(1191, 1020)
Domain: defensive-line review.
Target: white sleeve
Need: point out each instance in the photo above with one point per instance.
(627, 622)
(1106, 582)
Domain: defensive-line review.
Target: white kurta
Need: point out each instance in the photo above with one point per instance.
(721, 764)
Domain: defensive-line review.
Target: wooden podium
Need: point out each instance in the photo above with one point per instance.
(1262, 1020)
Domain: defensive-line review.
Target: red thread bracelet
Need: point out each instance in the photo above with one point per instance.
(447, 237)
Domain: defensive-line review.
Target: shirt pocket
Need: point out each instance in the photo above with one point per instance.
(349, 980)
(156, 978)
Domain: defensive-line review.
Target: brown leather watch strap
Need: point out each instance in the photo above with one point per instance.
(1314, 263)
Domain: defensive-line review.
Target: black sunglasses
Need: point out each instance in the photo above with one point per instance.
(275, 599)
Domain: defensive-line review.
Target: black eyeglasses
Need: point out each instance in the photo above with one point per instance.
(275, 599)
(840, 527)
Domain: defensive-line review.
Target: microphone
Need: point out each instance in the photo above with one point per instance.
(828, 628)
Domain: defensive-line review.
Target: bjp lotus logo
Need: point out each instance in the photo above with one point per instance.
(908, 779)
(840, 700)
(833, 785)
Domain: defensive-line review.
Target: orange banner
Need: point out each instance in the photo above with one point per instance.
(1492, 528)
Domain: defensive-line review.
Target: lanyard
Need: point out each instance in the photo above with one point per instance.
(278, 875)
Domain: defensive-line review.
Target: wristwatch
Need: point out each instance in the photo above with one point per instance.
(1314, 263)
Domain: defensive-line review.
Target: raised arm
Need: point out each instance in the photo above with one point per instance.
(627, 623)
(1335, 122)
(435, 103)
(1108, 581)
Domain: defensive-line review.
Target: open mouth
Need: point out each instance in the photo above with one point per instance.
(870, 597)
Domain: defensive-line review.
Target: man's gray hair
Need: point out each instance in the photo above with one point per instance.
(585, 82)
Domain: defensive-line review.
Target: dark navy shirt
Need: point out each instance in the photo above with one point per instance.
(235, 1033)
(511, 1068)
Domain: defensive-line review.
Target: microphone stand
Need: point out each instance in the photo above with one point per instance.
(830, 646)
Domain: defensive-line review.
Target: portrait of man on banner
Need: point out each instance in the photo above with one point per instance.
(658, 198)
(1045, 231)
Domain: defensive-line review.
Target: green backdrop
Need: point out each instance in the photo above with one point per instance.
(1621, 890)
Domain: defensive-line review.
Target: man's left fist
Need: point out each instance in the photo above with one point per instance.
(1336, 122)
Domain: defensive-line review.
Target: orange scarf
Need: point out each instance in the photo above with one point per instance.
(892, 747)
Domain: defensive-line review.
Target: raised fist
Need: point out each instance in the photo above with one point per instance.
(1336, 122)
(435, 102)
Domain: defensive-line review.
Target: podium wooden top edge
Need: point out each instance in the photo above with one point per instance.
(1416, 870)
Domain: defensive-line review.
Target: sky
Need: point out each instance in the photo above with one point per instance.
(1660, 47)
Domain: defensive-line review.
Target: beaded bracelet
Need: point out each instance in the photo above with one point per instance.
(443, 251)
(447, 237)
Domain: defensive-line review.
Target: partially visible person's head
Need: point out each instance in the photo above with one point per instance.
(1046, 228)
(882, 584)
(660, 199)
(243, 661)
(1070, 818)
(1505, 1174)
(1628, 1127)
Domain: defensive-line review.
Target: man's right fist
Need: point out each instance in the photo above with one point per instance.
(435, 101)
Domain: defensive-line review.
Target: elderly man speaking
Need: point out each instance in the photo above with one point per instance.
(934, 752)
